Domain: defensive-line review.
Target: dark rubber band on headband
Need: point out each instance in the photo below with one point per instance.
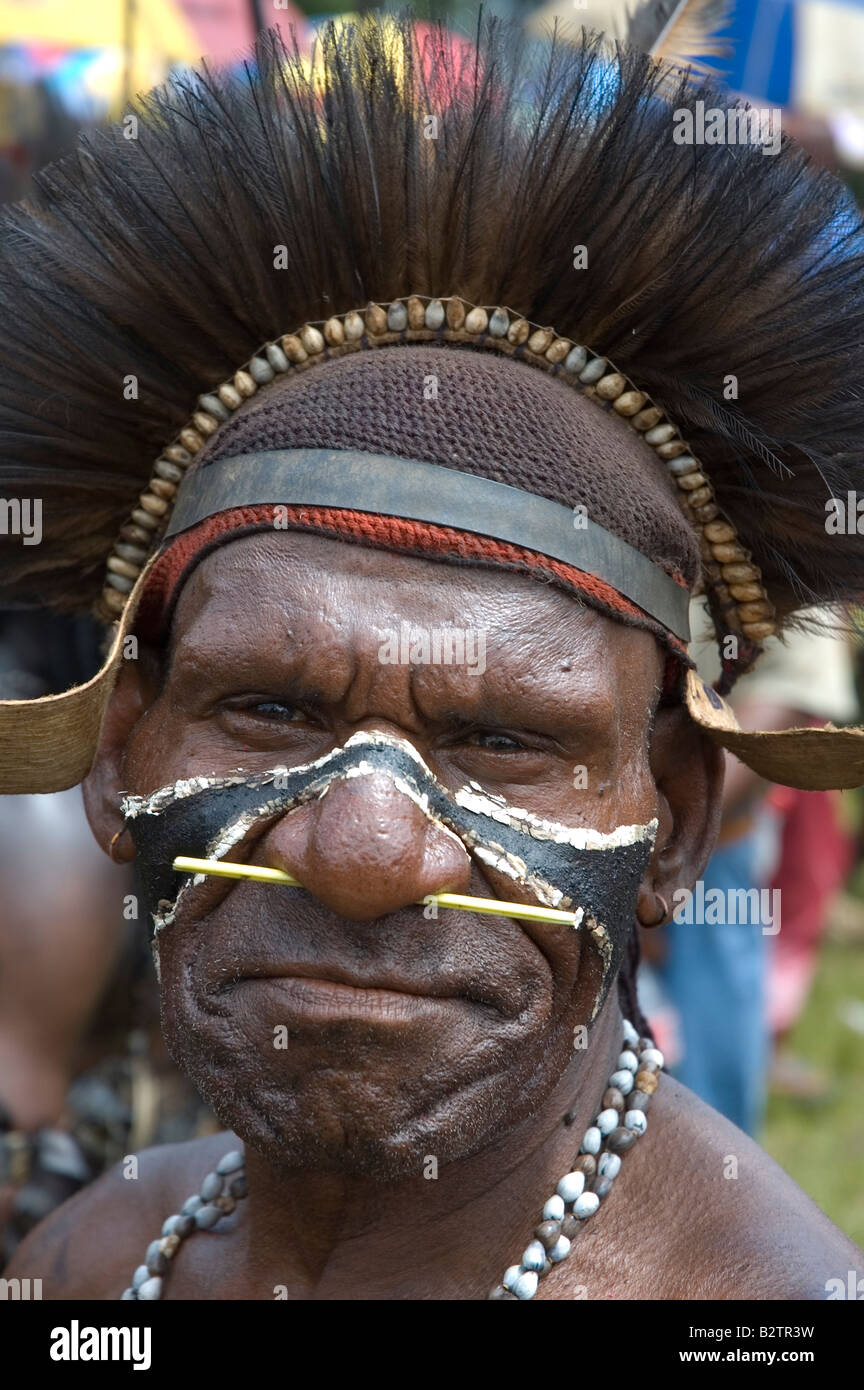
(419, 491)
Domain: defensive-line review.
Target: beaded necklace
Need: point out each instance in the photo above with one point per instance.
(620, 1122)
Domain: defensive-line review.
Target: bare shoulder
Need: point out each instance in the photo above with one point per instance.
(89, 1247)
(736, 1226)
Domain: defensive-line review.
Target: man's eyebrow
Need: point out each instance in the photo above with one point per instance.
(205, 647)
(519, 708)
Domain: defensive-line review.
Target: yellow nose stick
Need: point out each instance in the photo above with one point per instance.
(524, 912)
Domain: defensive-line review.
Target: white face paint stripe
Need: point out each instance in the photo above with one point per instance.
(471, 797)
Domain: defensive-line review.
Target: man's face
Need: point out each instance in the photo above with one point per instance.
(341, 1027)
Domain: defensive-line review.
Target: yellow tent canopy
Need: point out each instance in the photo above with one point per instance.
(158, 25)
(158, 33)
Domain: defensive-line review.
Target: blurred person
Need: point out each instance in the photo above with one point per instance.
(82, 1069)
(35, 128)
(714, 965)
(814, 675)
(735, 984)
(60, 946)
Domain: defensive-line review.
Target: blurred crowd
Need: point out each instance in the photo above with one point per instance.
(84, 1077)
(727, 979)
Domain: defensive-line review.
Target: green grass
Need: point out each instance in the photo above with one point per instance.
(822, 1145)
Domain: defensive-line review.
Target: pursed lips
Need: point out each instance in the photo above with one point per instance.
(326, 974)
(385, 980)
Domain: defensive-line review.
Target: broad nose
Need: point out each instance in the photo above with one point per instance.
(366, 849)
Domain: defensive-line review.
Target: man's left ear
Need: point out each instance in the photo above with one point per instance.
(103, 786)
(688, 771)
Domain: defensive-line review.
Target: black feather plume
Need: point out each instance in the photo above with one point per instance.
(709, 267)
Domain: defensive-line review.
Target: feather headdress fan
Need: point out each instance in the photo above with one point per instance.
(726, 282)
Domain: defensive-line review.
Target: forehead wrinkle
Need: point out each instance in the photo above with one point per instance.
(525, 641)
(243, 562)
(528, 665)
(209, 631)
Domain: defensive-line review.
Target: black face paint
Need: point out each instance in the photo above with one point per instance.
(562, 866)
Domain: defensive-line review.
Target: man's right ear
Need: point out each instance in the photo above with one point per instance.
(103, 786)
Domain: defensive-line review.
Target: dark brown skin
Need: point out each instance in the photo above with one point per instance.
(457, 1038)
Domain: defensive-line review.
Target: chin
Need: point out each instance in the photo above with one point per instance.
(363, 1122)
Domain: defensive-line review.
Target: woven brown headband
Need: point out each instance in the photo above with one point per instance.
(739, 603)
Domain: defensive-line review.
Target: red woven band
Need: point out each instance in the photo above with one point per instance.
(388, 533)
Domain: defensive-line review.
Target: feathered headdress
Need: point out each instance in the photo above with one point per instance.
(723, 281)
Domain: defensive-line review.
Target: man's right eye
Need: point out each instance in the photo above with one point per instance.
(275, 710)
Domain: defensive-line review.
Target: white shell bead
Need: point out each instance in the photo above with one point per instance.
(609, 1165)
(276, 357)
(525, 1286)
(135, 553)
(354, 326)
(586, 1205)
(117, 565)
(261, 371)
(652, 1054)
(594, 370)
(554, 1209)
(499, 322)
(630, 1035)
(119, 582)
(311, 338)
(171, 472)
(534, 1256)
(628, 1060)
(574, 362)
(661, 434)
(684, 463)
(397, 317)
(623, 1080)
(572, 1185)
(593, 1138)
(636, 1120)
(607, 1120)
(150, 1289)
(434, 314)
(510, 1276)
(230, 1163)
(212, 404)
(560, 1250)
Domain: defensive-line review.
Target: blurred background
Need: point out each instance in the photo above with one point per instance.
(766, 1025)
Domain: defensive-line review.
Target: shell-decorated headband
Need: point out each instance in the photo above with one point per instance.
(739, 603)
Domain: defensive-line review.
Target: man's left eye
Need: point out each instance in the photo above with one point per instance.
(498, 743)
(273, 709)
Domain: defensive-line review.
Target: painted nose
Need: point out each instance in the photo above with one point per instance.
(365, 849)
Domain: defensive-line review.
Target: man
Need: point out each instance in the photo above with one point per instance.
(410, 623)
